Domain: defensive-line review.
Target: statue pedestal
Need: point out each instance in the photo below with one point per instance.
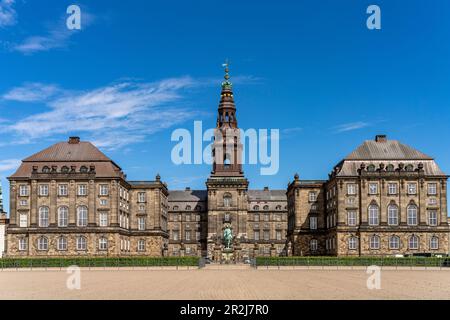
(227, 255)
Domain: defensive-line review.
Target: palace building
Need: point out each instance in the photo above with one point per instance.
(70, 199)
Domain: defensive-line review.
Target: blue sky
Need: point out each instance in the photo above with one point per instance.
(140, 69)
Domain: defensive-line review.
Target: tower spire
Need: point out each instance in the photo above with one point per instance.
(226, 84)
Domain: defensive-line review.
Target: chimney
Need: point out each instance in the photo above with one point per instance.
(381, 138)
(188, 189)
(266, 188)
(74, 140)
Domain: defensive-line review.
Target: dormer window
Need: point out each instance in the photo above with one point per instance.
(65, 169)
(390, 168)
(371, 168)
(409, 167)
(83, 169)
(46, 169)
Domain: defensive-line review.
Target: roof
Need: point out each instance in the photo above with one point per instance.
(188, 195)
(350, 168)
(267, 195)
(82, 151)
(386, 150)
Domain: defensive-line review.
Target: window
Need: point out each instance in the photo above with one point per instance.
(104, 190)
(279, 235)
(187, 217)
(392, 215)
(412, 188)
(141, 197)
(63, 216)
(352, 243)
(82, 190)
(62, 244)
(43, 217)
(394, 243)
(22, 244)
(23, 220)
(432, 202)
(256, 235)
(141, 245)
(256, 208)
(188, 208)
(351, 189)
(175, 235)
(409, 167)
(23, 202)
(103, 219)
(266, 217)
(434, 243)
(45, 169)
(432, 218)
(412, 215)
(81, 243)
(197, 235)
(142, 207)
(373, 188)
(312, 197)
(103, 243)
(413, 242)
(432, 188)
(187, 235)
(266, 208)
(62, 190)
(82, 216)
(83, 169)
(392, 188)
(43, 190)
(227, 200)
(141, 223)
(42, 244)
(390, 168)
(266, 235)
(373, 215)
(371, 168)
(351, 218)
(374, 242)
(278, 208)
(175, 208)
(313, 223)
(227, 217)
(23, 191)
(256, 217)
(65, 169)
(313, 245)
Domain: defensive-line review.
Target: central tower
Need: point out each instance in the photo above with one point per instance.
(227, 186)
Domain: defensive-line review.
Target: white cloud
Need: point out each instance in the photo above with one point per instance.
(8, 15)
(110, 116)
(31, 92)
(57, 36)
(9, 164)
(351, 126)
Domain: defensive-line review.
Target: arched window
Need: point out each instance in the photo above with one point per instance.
(374, 214)
(188, 208)
(103, 243)
(82, 216)
(65, 169)
(63, 216)
(198, 208)
(278, 208)
(409, 167)
(266, 208)
(434, 243)
(62, 243)
(412, 215)
(394, 242)
(227, 200)
(81, 243)
(313, 245)
(175, 208)
(42, 244)
(227, 160)
(390, 168)
(256, 208)
(413, 242)
(392, 215)
(83, 169)
(374, 242)
(43, 217)
(371, 168)
(352, 243)
(46, 169)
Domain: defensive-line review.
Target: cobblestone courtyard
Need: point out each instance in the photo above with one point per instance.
(209, 283)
